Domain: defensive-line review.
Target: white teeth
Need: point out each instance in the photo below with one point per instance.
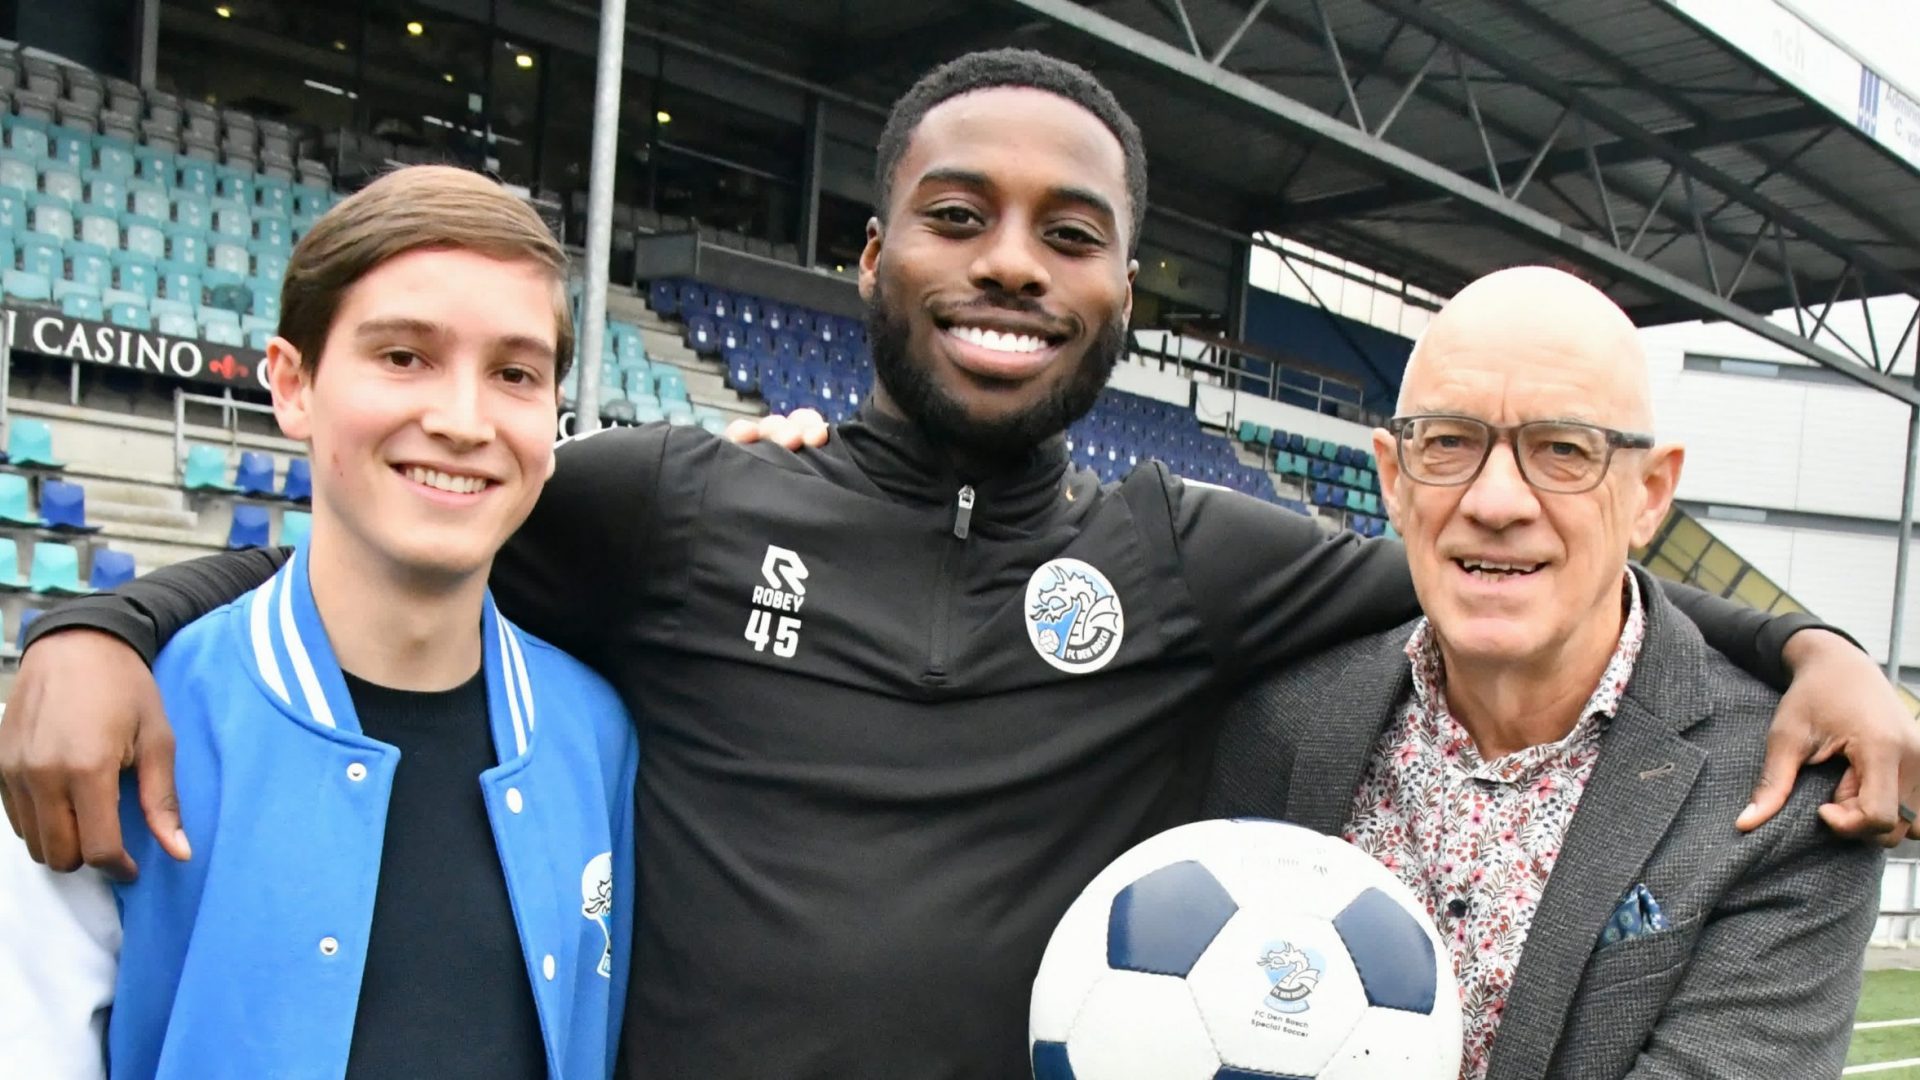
(997, 341)
(1493, 568)
(434, 478)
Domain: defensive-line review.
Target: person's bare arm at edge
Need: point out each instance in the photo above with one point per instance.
(85, 707)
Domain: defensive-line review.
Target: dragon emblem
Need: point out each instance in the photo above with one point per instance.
(1074, 616)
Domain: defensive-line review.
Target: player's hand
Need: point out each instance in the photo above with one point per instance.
(84, 708)
(800, 428)
(1840, 703)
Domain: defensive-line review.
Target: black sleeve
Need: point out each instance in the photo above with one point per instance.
(1273, 589)
(575, 571)
(1751, 638)
(146, 613)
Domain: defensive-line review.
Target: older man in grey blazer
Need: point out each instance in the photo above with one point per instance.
(1552, 759)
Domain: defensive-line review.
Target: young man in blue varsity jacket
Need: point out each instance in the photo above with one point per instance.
(412, 821)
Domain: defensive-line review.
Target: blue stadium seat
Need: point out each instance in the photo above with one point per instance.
(63, 507)
(56, 570)
(663, 296)
(691, 298)
(747, 310)
(250, 526)
(254, 476)
(298, 486)
(702, 335)
(741, 375)
(111, 569)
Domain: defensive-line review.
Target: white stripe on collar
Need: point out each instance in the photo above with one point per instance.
(519, 669)
(317, 705)
(262, 635)
(513, 700)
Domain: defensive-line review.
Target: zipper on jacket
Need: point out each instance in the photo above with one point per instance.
(943, 584)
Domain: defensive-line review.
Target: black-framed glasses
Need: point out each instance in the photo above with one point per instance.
(1558, 456)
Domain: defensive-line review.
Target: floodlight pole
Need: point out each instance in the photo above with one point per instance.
(1900, 558)
(606, 136)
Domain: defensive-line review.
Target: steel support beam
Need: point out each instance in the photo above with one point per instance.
(1391, 163)
(1903, 554)
(606, 136)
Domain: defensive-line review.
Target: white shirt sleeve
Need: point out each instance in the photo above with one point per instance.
(59, 955)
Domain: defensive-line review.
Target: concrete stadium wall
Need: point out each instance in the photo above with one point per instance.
(1778, 439)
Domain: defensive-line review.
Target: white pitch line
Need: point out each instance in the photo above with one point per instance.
(1872, 1024)
(1879, 1066)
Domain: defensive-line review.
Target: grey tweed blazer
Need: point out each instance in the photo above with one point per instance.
(1758, 975)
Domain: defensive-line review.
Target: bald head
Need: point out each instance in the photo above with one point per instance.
(1534, 323)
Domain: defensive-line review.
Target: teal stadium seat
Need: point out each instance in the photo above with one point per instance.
(70, 147)
(88, 265)
(102, 230)
(146, 236)
(27, 286)
(154, 166)
(108, 193)
(18, 173)
(49, 216)
(80, 306)
(56, 570)
(148, 200)
(192, 210)
(193, 177)
(15, 507)
(136, 273)
(63, 185)
(175, 324)
(10, 579)
(115, 157)
(223, 333)
(131, 316)
(295, 527)
(30, 442)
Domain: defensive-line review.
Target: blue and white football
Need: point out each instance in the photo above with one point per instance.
(1245, 950)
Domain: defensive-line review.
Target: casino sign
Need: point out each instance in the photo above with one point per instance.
(49, 333)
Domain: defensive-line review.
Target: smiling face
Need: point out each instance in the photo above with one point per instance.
(999, 286)
(430, 414)
(1508, 574)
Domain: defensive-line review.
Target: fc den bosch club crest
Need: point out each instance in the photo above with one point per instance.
(1073, 616)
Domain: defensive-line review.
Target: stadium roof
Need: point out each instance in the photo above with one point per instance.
(1438, 141)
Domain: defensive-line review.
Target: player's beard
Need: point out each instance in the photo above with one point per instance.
(945, 419)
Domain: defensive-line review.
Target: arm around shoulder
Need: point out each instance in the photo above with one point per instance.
(1775, 975)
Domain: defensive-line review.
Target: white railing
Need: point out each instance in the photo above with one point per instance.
(230, 410)
(1899, 922)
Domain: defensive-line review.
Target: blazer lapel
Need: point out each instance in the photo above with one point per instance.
(1645, 771)
(1334, 748)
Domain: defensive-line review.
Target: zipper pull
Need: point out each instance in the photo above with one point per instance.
(963, 516)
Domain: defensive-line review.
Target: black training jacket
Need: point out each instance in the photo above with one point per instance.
(866, 796)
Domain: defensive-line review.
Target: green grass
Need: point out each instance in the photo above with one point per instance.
(1888, 995)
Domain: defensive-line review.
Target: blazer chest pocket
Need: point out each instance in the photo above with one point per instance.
(1648, 963)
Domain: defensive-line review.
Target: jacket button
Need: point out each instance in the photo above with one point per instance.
(329, 945)
(356, 772)
(514, 802)
(546, 967)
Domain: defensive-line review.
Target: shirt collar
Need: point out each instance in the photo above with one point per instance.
(1429, 676)
(903, 462)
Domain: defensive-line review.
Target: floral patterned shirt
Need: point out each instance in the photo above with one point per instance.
(1476, 839)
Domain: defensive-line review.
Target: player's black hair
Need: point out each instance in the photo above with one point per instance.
(1020, 68)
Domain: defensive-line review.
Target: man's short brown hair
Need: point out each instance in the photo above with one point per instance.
(415, 208)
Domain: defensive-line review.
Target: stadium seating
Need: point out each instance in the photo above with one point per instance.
(15, 507)
(206, 469)
(56, 570)
(111, 569)
(10, 580)
(298, 484)
(255, 475)
(63, 507)
(27, 615)
(30, 444)
(250, 526)
(295, 527)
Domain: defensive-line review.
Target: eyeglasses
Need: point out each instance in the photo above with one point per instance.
(1556, 456)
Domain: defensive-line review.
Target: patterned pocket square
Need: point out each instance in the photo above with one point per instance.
(1638, 914)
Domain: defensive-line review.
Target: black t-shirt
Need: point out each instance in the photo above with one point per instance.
(866, 797)
(446, 990)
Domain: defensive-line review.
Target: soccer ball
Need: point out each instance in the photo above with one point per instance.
(1237, 950)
